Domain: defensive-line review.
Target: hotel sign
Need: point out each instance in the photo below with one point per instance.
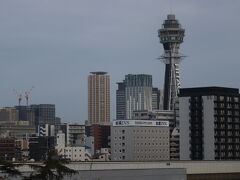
(140, 123)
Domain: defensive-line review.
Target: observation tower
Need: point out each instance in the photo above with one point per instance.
(171, 36)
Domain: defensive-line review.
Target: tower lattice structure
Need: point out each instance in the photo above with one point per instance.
(171, 36)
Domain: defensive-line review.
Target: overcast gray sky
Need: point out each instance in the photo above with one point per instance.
(54, 44)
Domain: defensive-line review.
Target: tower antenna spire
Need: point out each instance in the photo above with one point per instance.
(171, 6)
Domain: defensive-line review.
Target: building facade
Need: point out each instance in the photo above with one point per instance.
(74, 134)
(73, 153)
(209, 123)
(44, 114)
(120, 101)
(138, 93)
(139, 140)
(98, 98)
(157, 99)
(76, 154)
(26, 113)
(9, 115)
(8, 149)
(46, 130)
(163, 115)
(39, 146)
(134, 93)
(100, 134)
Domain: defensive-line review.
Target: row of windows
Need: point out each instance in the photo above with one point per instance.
(171, 38)
(149, 150)
(226, 119)
(152, 157)
(142, 137)
(66, 150)
(152, 138)
(156, 131)
(229, 154)
(226, 112)
(227, 98)
(142, 144)
(153, 144)
(228, 126)
(226, 105)
(136, 131)
(146, 157)
(228, 147)
(69, 155)
(226, 140)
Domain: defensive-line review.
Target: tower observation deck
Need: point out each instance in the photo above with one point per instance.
(171, 36)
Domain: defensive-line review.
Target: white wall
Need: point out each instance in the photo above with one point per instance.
(184, 128)
(76, 153)
(60, 143)
(208, 128)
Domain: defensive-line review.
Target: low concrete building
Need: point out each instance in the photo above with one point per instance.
(102, 155)
(75, 134)
(139, 140)
(164, 115)
(74, 153)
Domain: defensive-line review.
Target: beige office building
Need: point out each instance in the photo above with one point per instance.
(9, 115)
(140, 140)
(98, 98)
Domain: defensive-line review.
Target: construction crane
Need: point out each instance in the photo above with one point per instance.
(27, 94)
(19, 96)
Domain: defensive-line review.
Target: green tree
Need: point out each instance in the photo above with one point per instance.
(9, 169)
(52, 169)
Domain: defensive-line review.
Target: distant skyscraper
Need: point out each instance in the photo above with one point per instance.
(157, 95)
(138, 93)
(44, 114)
(120, 101)
(98, 98)
(26, 113)
(171, 36)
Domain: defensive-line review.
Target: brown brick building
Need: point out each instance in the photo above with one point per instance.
(101, 135)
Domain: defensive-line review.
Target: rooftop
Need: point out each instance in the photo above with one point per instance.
(212, 90)
(99, 73)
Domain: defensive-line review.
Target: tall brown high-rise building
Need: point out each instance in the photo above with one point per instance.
(98, 98)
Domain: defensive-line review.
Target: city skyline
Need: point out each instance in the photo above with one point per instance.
(54, 49)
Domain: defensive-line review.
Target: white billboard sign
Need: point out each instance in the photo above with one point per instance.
(140, 123)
